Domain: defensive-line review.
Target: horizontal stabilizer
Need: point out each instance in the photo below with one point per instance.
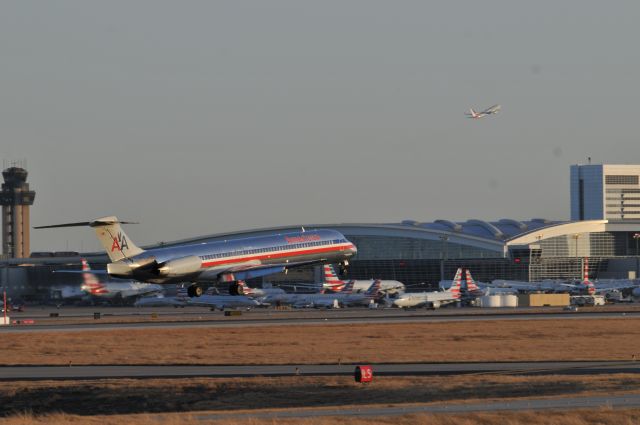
(102, 272)
(94, 223)
(113, 239)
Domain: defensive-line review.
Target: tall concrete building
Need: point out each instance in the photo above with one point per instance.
(15, 199)
(605, 192)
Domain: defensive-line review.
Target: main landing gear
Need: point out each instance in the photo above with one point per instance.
(236, 289)
(344, 267)
(195, 290)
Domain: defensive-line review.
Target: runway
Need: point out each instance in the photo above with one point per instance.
(37, 373)
(570, 403)
(206, 319)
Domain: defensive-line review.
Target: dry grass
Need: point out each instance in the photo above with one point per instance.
(579, 417)
(521, 340)
(127, 396)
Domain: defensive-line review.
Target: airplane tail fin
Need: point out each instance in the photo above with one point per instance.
(347, 288)
(373, 290)
(456, 284)
(591, 289)
(90, 283)
(472, 113)
(585, 275)
(113, 239)
(246, 290)
(331, 279)
(471, 284)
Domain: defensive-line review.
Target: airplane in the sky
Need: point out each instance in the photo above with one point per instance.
(92, 286)
(433, 299)
(220, 261)
(489, 111)
(334, 283)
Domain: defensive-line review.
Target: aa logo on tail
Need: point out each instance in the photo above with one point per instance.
(119, 243)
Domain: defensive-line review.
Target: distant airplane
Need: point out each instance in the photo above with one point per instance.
(345, 297)
(489, 111)
(111, 289)
(258, 292)
(334, 283)
(433, 299)
(216, 262)
(220, 302)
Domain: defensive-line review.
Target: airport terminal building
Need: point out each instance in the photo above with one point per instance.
(417, 252)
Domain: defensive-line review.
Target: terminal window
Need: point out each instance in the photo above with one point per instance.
(621, 179)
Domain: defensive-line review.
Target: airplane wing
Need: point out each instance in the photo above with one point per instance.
(92, 271)
(250, 270)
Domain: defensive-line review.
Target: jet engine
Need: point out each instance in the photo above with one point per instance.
(148, 269)
(435, 304)
(181, 267)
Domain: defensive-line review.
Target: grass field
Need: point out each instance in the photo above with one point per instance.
(177, 401)
(509, 340)
(579, 417)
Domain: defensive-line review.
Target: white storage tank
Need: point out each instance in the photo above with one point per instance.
(495, 301)
(491, 301)
(509, 300)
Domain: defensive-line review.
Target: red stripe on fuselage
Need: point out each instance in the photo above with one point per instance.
(276, 254)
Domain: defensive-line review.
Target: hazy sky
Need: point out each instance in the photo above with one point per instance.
(197, 117)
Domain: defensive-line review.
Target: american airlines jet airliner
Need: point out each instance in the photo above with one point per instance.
(221, 261)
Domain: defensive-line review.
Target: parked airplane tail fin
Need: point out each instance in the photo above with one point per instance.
(591, 289)
(331, 279)
(373, 290)
(471, 284)
(113, 239)
(347, 288)
(585, 275)
(456, 284)
(90, 283)
(246, 290)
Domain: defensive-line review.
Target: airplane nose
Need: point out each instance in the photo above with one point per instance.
(353, 249)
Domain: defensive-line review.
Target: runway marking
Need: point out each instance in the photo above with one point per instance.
(302, 321)
(88, 372)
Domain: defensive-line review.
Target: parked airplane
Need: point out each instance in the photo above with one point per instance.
(584, 287)
(334, 283)
(258, 292)
(522, 286)
(345, 297)
(159, 301)
(220, 261)
(221, 302)
(489, 111)
(111, 289)
(433, 299)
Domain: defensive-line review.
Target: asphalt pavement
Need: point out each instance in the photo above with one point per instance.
(69, 372)
(568, 403)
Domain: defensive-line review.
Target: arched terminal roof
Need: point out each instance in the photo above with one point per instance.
(476, 233)
(551, 230)
(497, 236)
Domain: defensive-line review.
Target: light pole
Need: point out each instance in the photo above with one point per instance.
(636, 236)
(443, 254)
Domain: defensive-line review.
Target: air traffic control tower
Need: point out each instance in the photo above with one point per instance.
(15, 199)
